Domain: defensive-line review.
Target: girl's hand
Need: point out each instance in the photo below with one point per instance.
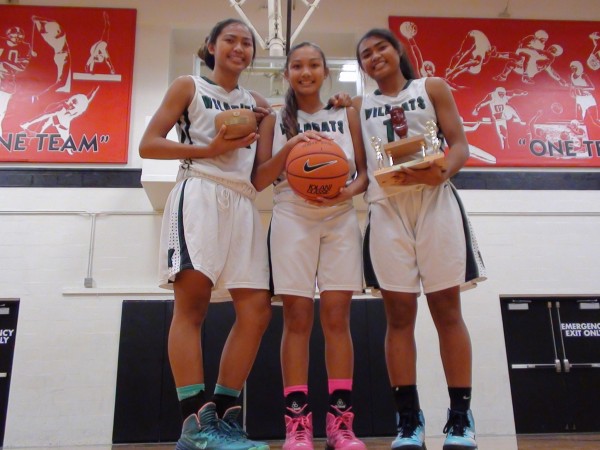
(432, 175)
(219, 145)
(307, 136)
(260, 113)
(343, 196)
(340, 100)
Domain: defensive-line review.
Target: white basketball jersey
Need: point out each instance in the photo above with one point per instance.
(331, 122)
(196, 126)
(375, 122)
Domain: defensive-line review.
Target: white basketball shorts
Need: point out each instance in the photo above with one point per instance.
(308, 242)
(421, 238)
(215, 230)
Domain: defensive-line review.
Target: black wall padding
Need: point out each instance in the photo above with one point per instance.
(146, 408)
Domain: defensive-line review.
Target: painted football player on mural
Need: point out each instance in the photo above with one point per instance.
(15, 55)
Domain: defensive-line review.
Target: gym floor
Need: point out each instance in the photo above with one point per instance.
(523, 442)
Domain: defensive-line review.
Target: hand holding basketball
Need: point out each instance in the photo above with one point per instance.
(220, 144)
(317, 168)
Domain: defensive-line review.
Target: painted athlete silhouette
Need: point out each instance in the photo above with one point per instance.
(15, 55)
(501, 112)
(531, 58)
(581, 90)
(409, 31)
(52, 33)
(99, 51)
(593, 61)
(475, 51)
(58, 116)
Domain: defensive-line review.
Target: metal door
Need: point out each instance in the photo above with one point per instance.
(9, 313)
(553, 352)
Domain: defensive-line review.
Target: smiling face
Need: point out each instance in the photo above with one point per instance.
(233, 49)
(378, 57)
(306, 70)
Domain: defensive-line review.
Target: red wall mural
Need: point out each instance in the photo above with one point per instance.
(527, 90)
(65, 84)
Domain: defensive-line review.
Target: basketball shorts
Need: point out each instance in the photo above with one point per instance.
(217, 231)
(313, 246)
(420, 238)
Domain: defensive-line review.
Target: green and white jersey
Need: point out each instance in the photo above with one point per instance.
(375, 122)
(196, 126)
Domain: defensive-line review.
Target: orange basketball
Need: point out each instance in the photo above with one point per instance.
(317, 169)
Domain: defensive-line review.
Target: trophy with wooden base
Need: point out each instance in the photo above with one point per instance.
(415, 152)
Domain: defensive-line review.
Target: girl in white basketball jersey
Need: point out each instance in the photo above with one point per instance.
(416, 237)
(212, 238)
(311, 241)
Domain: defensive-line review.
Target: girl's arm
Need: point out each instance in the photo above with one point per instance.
(154, 143)
(263, 174)
(451, 125)
(449, 122)
(262, 108)
(359, 185)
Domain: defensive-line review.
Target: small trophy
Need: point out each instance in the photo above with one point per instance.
(376, 144)
(415, 152)
(433, 141)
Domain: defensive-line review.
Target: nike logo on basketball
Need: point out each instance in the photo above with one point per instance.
(309, 168)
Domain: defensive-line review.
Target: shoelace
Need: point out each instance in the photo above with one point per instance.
(299, 428)
(457, 422)
(343, 424)
(408, 423)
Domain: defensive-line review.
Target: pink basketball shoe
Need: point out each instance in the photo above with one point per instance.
(298, 432)
(339, 432)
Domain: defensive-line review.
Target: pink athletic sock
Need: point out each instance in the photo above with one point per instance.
(335, 384)
(298, 388)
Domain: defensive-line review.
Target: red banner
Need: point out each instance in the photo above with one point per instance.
(525, 89)
(65, 84)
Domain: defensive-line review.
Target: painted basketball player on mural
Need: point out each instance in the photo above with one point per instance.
(55, 67)
(525, 89)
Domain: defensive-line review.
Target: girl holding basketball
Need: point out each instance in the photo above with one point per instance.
(313, 240)
(416, 237)
(212, 239)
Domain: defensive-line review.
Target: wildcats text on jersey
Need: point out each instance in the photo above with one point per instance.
(409, 105)
(213, 103)
(330, 126)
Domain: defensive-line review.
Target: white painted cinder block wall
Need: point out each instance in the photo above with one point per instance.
(63, 385)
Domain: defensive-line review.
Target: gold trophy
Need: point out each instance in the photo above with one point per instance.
(415, 152)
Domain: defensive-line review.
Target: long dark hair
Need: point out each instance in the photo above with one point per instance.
(203, 52)
(289, 112)
(406, 66)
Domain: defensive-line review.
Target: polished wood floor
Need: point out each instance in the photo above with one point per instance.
(522, 442)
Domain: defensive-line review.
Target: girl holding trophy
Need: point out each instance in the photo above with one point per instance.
(417, 234)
